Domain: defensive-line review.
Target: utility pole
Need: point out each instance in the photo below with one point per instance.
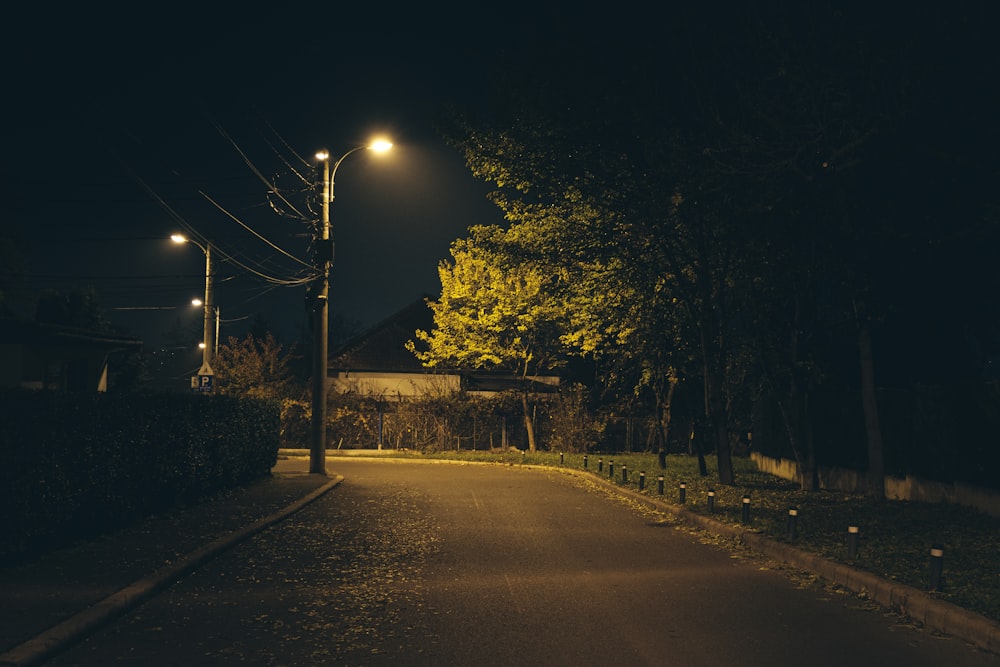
(319, 305)
(209, 331)
(210, 328)
(320, 312)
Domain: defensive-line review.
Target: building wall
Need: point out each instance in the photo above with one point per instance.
(394, 386)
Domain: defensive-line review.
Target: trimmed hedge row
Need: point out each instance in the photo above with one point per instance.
(75, 466)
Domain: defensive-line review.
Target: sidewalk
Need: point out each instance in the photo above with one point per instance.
(51, 602)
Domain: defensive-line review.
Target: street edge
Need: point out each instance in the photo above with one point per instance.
(63, 635)
(936, 615)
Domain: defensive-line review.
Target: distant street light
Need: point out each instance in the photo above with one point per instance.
(208, 328)
(320, 307)
(218, 318)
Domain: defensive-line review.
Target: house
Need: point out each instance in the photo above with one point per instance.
(376, 363)
(35, 355)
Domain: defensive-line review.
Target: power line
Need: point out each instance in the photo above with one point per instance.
(80, 276)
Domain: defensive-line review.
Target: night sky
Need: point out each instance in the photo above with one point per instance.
(122, 128)
(123, 131)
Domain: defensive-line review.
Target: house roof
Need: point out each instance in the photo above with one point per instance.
(383, 346)
(382, 349)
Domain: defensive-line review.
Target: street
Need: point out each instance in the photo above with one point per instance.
(444, 564)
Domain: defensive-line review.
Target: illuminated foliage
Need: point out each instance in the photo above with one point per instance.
(496, 311)
(641, 277)
(493, 313)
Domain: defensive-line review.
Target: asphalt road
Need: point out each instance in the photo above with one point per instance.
(443, 564)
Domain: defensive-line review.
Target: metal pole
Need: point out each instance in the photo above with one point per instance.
(320, 312)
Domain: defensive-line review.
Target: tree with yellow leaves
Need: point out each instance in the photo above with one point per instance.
(496, 312)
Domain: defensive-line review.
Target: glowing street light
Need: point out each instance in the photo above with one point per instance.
(209, 330)
(320, 309)
(218, 316)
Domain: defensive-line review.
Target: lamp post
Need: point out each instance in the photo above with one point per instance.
(321, 308)
(218, 315)
(208, 328)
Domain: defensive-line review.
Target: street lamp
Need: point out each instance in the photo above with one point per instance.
(208, 329)
(320, 307)
(218, 316)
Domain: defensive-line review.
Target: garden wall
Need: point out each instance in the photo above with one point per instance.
(907, 488)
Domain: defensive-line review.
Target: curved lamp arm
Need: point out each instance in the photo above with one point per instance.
(379, 146)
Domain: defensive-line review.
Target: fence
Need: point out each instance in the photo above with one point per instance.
(907, 488)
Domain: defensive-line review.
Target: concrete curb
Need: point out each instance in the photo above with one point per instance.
(61, 636)
(936, 615)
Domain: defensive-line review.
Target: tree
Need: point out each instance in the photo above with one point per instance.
(253, 367)
(626, 317)
(259, 368)
(637, 268)
(495, 311)
(748, 182)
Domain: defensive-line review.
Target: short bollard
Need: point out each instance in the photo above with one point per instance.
(793, 522)
(745, 517)
(852, 542)
(560, 458)
(611, 469)
(600, 465)
(642, 480)
(624, 474)
(682, 492)
(711, 500)
(937, 567)
(659, 485)
(584, 461)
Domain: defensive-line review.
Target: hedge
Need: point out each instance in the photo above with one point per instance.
(78, 465)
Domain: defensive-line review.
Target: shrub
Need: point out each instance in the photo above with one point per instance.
(77, 465)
